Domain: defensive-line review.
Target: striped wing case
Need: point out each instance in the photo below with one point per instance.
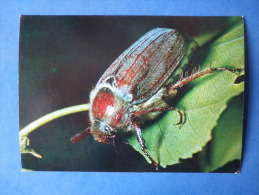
(140, 71)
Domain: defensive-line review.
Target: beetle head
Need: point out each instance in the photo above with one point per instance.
(106, 114)
(102, 132)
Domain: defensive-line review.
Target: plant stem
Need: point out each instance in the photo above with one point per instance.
(51, 116)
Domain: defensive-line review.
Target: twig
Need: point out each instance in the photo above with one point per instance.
(24, 132)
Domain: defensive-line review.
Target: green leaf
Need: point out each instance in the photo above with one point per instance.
(210, 35)
(226, 144)
(202, 104)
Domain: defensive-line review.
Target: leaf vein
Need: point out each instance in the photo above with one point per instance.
(233, 40)
(193, 129)
(165, 141)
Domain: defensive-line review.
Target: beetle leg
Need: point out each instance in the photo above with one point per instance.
(142, 143)
(188, 79)
(163, 109)
(115, 144)
(140, 138)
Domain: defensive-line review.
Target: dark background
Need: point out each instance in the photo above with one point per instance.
(61, 60)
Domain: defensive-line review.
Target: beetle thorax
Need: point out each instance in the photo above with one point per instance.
(107, 107)
(107, 114)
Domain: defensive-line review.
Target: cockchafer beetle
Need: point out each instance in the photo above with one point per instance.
(140, 84)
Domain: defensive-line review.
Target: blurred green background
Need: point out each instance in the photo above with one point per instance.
(61, 60)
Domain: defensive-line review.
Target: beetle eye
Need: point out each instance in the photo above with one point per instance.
(107, 129)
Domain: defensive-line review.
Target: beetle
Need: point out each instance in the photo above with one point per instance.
(139, 85)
